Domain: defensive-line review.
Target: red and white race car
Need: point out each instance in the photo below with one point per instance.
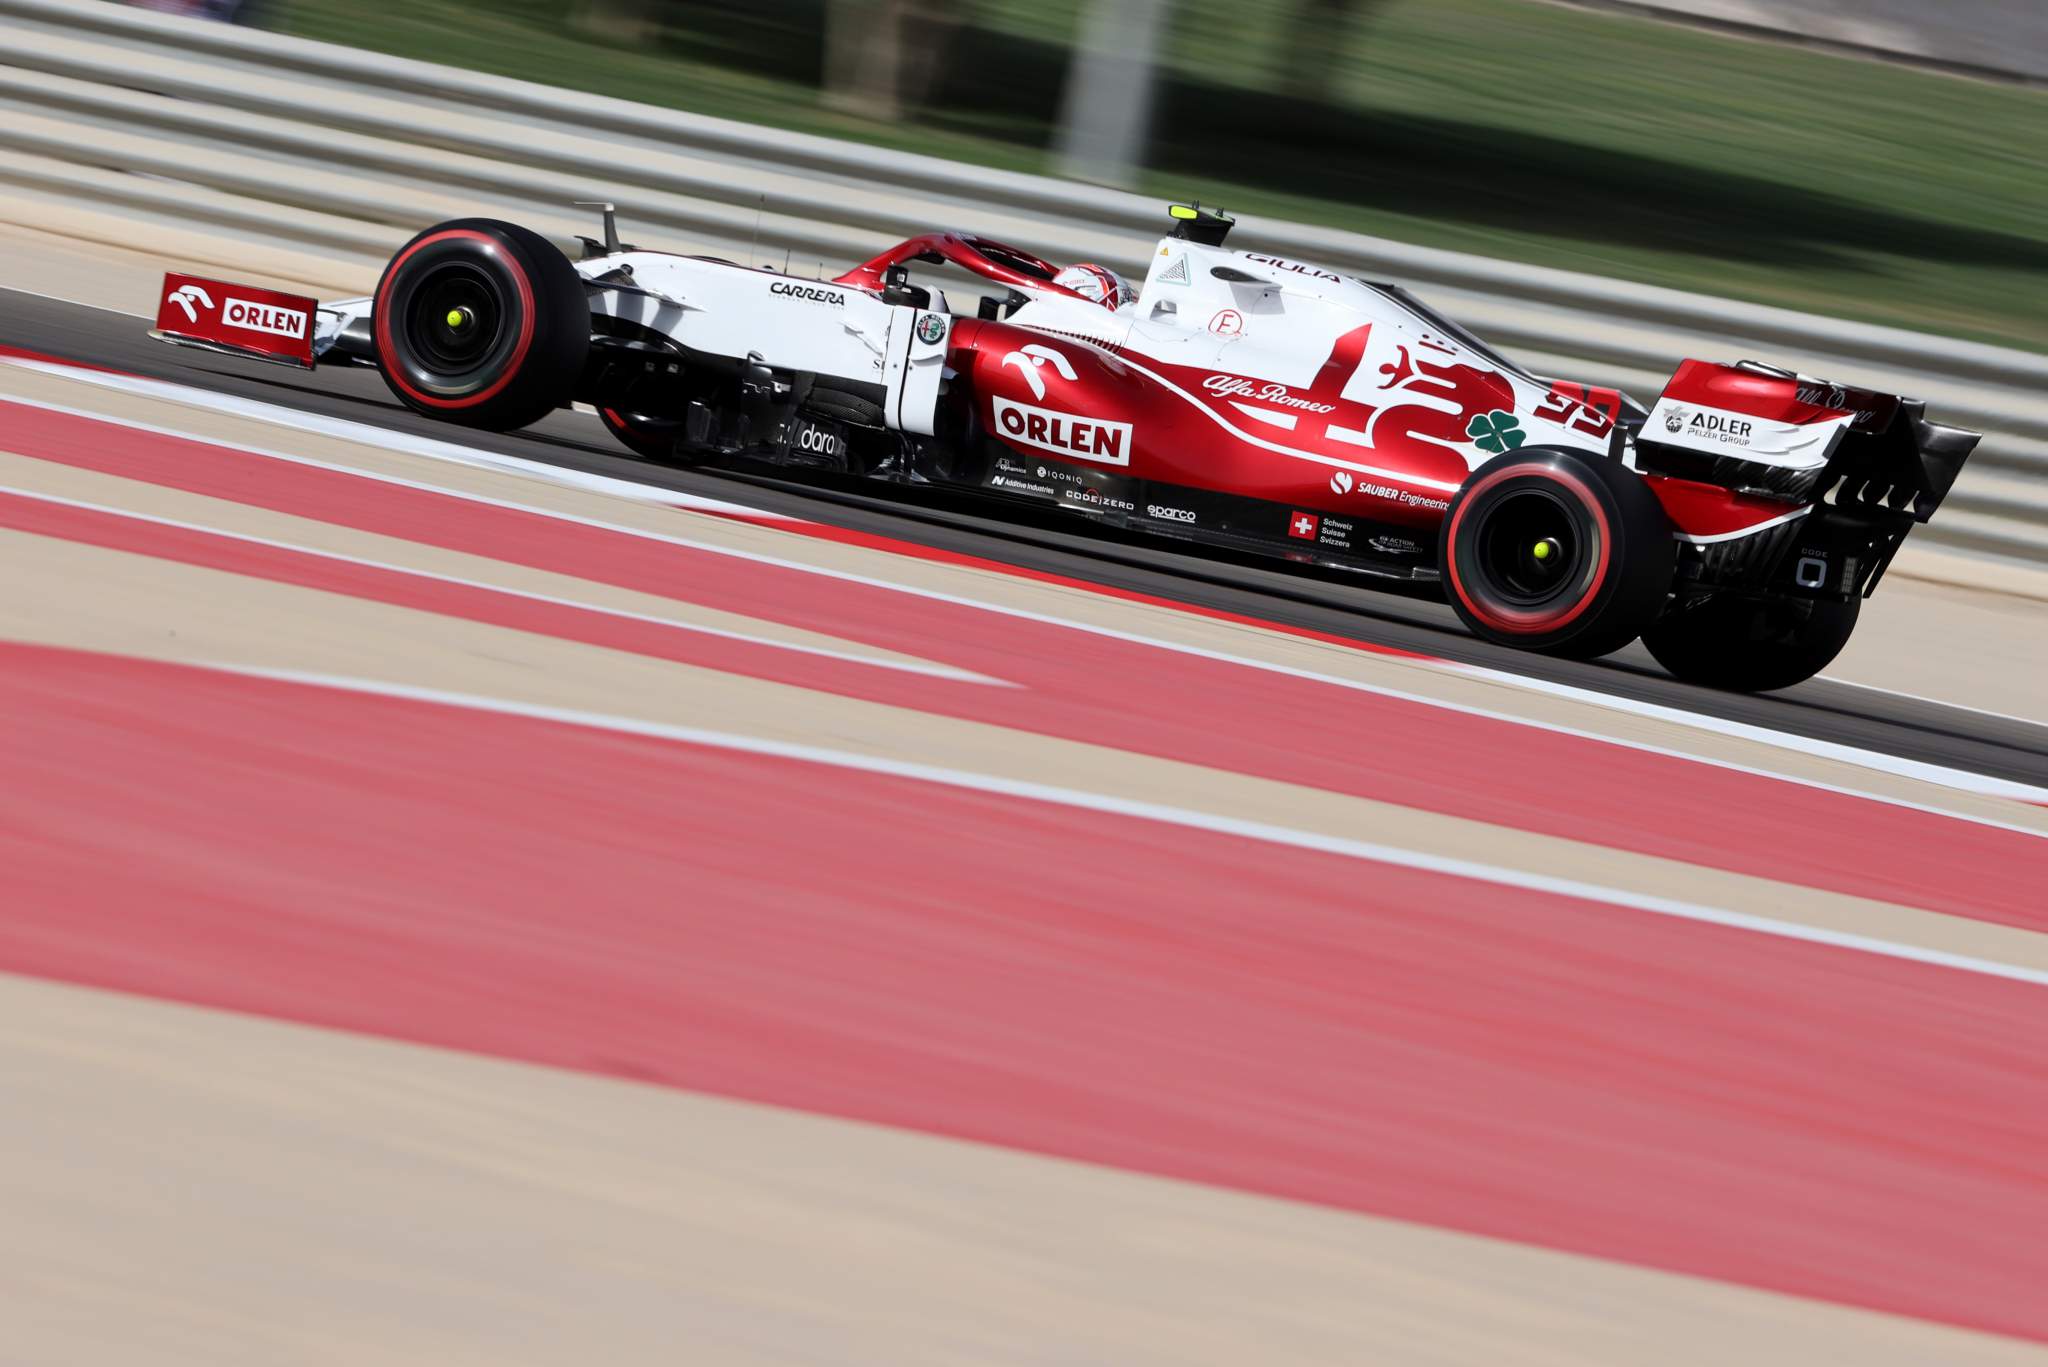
(1236, 399)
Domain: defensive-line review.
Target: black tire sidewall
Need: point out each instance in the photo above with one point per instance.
(840, 406)
(1722, 643)
(544, 338)
(1626, 564)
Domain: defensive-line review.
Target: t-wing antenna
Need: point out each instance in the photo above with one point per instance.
(611, 246)
(1206, 227)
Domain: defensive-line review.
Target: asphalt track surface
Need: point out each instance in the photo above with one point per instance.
(1910, 728)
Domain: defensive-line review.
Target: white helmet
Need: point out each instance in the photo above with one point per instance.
(1098, 283)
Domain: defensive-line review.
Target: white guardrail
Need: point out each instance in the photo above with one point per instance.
(174, 121)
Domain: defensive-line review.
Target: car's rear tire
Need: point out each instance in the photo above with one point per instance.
(1752, 645)
(1556, 551)
(481, 323)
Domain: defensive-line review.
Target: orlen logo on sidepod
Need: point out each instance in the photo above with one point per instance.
(1065, 434)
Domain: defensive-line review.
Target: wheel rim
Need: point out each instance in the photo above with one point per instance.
(456, 318)
(1530, 548)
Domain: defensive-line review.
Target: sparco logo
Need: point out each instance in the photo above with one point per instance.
(1170, 514)
(1225, 386)
(250, 317)
(810, 292)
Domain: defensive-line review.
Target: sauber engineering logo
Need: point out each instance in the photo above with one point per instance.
(1065, 434)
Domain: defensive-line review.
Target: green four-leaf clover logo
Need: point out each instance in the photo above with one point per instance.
(1496, 432)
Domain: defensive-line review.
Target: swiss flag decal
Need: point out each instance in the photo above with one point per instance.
(1304, 526)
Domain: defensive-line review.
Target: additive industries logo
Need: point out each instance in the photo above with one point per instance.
(1303, 526)
(253, 317)
(1674, 421)
(930, 328)
(1175, 274)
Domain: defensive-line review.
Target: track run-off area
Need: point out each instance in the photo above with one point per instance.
(482, 896)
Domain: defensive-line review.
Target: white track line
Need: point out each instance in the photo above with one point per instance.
(1935, 702)
(1959, 780)
(1823, 749)
(930, 670)
(1083, 800)
(80, 303)
(384, 438)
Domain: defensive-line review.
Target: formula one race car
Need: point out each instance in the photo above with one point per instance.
(1236, 399)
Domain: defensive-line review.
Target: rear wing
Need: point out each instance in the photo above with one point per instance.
(1762, 430)
(240, 320)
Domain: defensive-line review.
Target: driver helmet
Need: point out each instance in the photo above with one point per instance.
(1099, 283)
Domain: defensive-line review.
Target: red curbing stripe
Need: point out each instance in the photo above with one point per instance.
(425, 592)
(20, 354)
(1791, 1116)
(911, 550)
(1130, 696)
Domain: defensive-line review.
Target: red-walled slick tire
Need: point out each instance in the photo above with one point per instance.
(1556, 551)
(482, 323)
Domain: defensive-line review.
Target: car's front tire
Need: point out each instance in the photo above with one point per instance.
(481, 323)
(1556, 551)
(1752, 645)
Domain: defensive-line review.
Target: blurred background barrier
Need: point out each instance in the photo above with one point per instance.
(2003, 38)
(265, 137)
